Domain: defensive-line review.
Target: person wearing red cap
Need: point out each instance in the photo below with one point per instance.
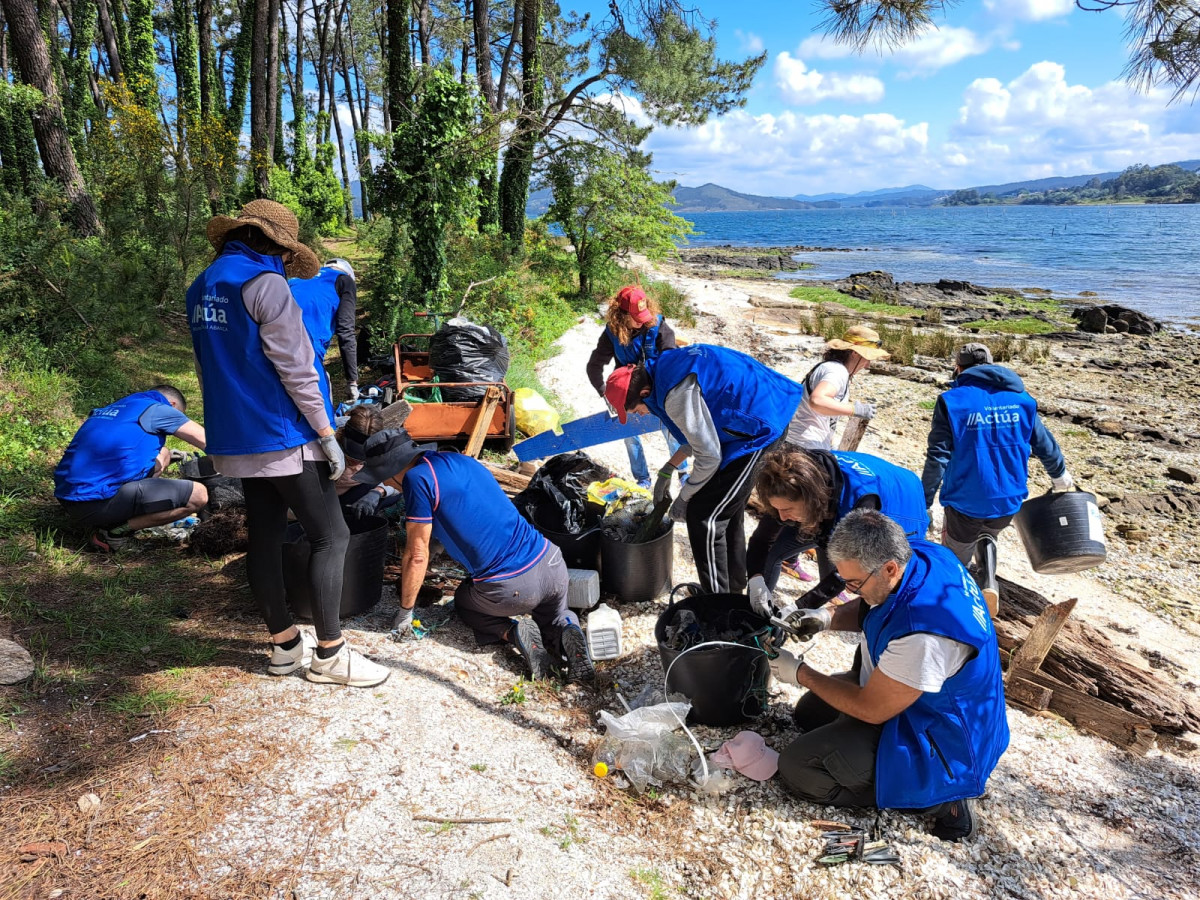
(727, 410)
(634, 330)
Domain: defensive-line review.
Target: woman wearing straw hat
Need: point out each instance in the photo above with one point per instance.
(269, 422)
(826, 399)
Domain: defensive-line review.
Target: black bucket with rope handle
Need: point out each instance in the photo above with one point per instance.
(726, 681)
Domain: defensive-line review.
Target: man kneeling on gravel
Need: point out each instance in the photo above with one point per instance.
(512, 570)
(923, 725)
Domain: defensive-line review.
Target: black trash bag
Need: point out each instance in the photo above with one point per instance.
(624, 524)
(556, 498)
(223, 492)
(463, 351)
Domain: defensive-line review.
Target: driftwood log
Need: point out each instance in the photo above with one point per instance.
(1083, 659)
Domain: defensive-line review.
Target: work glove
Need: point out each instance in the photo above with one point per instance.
(864, 410)
(679, 510)
(403, 624)
(662, 484)
(784, 667)
(366, 505)
(352, 391)
(333, 452)
(762, 601)
(805, 623)
(1063, 483)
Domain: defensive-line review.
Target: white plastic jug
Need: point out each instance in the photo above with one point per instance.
(604, 633)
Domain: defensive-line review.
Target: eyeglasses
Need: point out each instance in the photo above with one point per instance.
(855, 585)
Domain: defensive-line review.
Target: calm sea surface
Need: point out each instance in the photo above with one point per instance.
(1146, 257)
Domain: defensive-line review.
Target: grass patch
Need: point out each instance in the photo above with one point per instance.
(145, 703)
(815, 293)
(516, 694)
(653, 881)
(1044, 304)
(478, 767)
(8, 768)
(927, 404)
(1023, 325)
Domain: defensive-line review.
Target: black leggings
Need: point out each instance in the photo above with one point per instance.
(313, 498)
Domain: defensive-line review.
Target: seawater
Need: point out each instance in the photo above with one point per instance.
(1145, 256)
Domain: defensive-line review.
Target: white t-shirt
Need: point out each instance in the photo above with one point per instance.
(920, 660)
(808, 428)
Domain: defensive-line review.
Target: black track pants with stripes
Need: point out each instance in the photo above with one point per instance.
(716, 525)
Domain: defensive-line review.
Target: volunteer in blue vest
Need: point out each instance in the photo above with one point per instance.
(634, 330)
(270, 423)
(512, 570)
(727, 410)
(108, 478)
(330, 306)
(809, 492)
(984, 429)
(923, 724)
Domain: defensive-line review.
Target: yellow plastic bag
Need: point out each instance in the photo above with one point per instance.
(534, 415)
(613, 493)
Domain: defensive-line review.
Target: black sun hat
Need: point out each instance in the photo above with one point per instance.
(383, 453)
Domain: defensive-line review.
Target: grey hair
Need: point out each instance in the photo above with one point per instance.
(869, 538)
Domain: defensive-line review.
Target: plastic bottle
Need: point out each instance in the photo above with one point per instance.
(636, 760)
(604, 760)
(189, 522)
(604, 633)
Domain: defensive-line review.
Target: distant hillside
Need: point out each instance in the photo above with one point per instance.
(714, 198)
(912, 195)
(1173, 183)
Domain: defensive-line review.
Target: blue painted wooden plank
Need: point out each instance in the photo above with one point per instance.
(583, 433)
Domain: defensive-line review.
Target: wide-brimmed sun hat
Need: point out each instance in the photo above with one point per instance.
(862, 340)
(383, 454)
(278, 223)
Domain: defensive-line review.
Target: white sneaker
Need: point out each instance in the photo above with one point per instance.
(347, 667)
(285, 662)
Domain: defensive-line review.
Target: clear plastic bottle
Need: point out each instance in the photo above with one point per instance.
(636, 760)
(604, 760)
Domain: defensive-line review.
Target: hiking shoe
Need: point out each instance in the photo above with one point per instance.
(285, 662)
(986, 556)
(580, 668)
(347, 667)
(954, 821)
(527, 637)
(104, 542)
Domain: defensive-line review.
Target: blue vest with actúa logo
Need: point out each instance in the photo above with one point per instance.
(249, 410)
(945, 745)
(987, 476)
(642, 343)
(318, 299)
(110, 449)
(750, 404)
(901, 496)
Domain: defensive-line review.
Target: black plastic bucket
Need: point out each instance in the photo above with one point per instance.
(579, 551)
(637, 572)
(362, 577)
(727, 685)
(1062, 532)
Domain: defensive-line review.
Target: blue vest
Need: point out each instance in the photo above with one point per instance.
(318, 299)
(249, 410)
(945, 745)
(987, 476)
(109, 449)
(643, 342)
(750, 404)
(901, 496)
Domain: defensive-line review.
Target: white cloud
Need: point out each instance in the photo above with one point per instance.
(822, 46)
(1029, 10)
(937, 48)
(802, 85)
(748, 41)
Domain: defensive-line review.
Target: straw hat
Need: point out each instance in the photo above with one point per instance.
(862, 340)
(278, 223)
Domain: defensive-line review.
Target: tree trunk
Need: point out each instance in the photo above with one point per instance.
(399, 62)
(82, 102)
(361, 149)
(274, 86)
(58, 158)
(243, 52)
(424, 27)
(209, 83)
(120, 23)
(347, 192)
(262, 120)
(518, 159)
(115, 72)
(187, 63)
(143, 58)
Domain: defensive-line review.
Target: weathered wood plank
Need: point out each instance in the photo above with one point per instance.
(1119, 726)
(487, 408)
(1025, 693)
(395, 414)
(856, 427)
(1028, 657)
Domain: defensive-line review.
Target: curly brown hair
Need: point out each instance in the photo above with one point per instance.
(622, 323)
(791, 474)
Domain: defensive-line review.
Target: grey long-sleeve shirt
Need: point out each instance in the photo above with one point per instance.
(268, 301)
(685, 406)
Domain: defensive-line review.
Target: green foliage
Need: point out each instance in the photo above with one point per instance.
(187, 66)
(145, 703)
(142, 58)
(816, 293)
(313, 193)
(516, 694)
(1023, 325)
(608, 206)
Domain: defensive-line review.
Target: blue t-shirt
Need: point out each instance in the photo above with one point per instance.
(471, 515)
(162, 418)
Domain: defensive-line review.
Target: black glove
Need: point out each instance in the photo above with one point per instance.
(366, 505)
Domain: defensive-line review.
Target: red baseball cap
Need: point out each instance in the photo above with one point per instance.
(632, 299)
(617, 389)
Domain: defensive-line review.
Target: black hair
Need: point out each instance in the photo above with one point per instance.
(173, 394)
(254, 238)
(838, 356)
(639, 380)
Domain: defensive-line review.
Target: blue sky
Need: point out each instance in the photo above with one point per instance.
(1003, 90)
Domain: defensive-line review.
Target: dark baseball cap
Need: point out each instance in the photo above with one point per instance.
(973, 355)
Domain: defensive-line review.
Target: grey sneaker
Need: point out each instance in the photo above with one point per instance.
(285, 662)
(527, 637)
(104, 542)
(347, 667)
(580, 668)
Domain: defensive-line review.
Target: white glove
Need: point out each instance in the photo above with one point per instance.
(784, 667)
(809, 622)
(1063, 483)
(333, 452)
(762, 601)
(352, 391)
(864, 410)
